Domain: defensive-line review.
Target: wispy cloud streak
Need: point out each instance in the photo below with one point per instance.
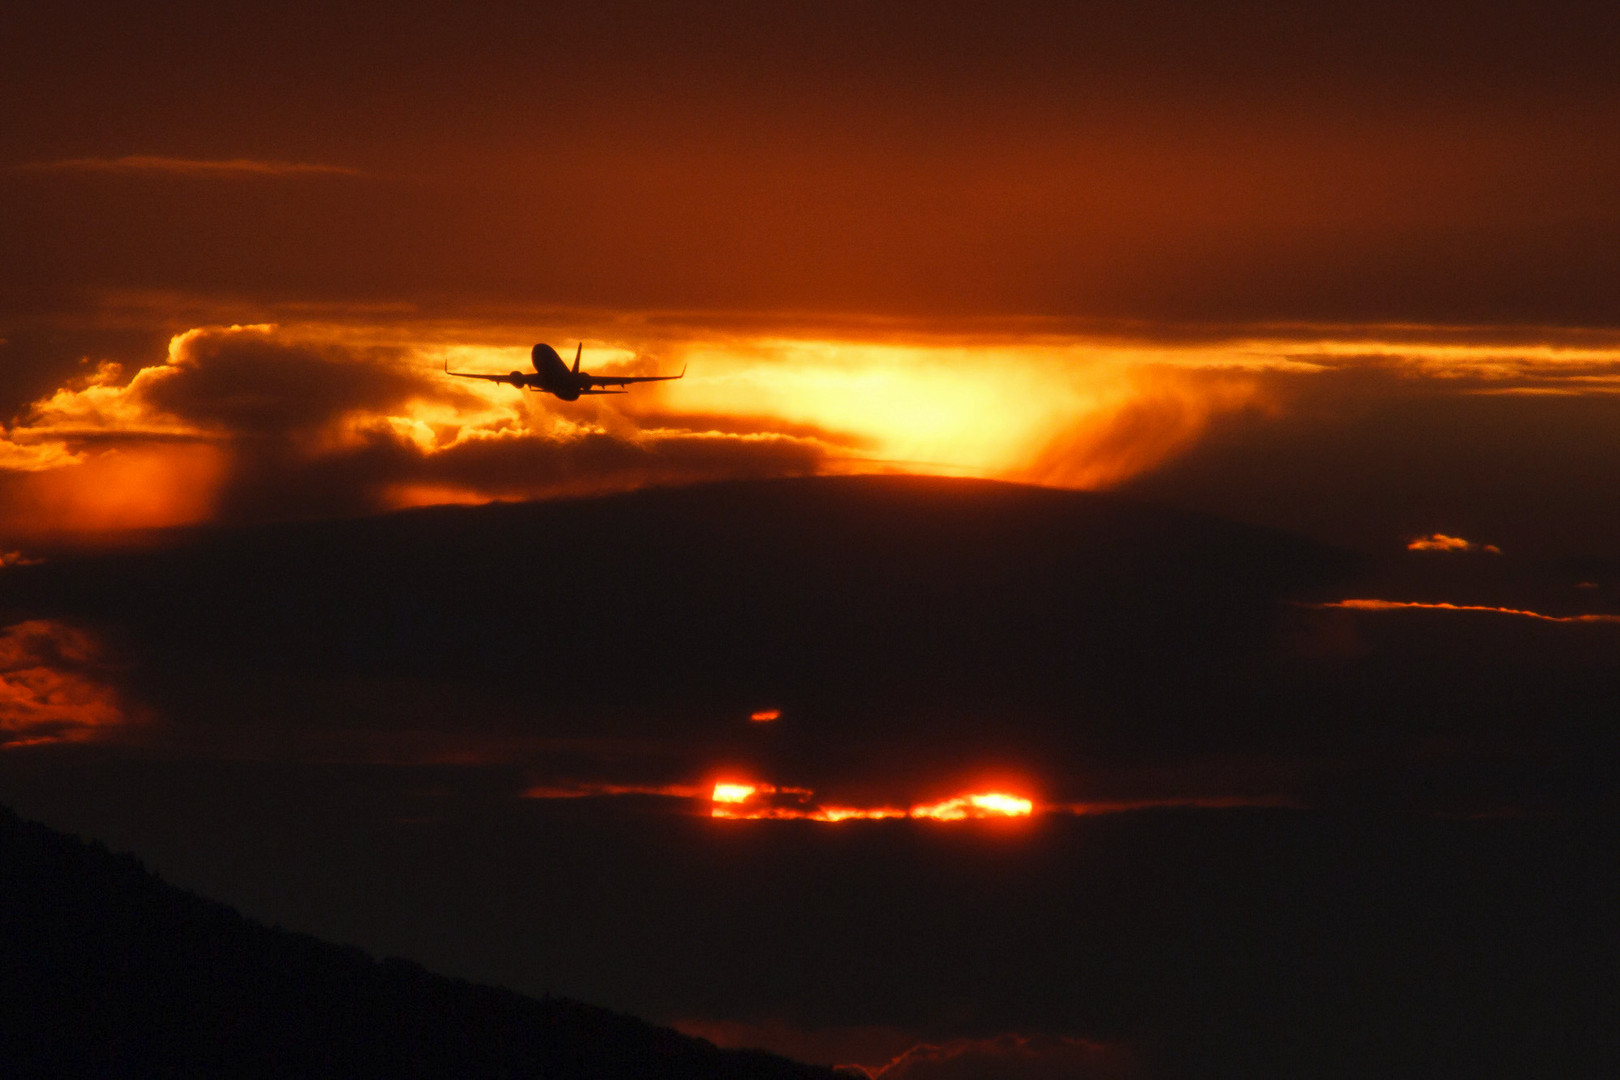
(151, 164)
(1415, 605)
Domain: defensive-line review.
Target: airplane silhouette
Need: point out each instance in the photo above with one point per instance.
(553, 377)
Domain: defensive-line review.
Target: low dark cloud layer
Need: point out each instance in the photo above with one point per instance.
(921, 639)
(1373, 456)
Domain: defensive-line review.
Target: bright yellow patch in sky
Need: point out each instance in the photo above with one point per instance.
(1036, 411)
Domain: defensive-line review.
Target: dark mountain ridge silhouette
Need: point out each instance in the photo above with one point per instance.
(109, 972)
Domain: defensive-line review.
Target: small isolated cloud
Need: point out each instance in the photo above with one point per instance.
(53, 686)
(1442, 542)
(151, 164)
(1011, 1057)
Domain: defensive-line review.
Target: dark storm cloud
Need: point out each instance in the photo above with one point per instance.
(37, 357)
(520, 465)
(379, 472)
(249, 383)
(921, 639)
(841, 603)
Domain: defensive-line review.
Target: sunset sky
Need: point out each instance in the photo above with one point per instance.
(1328, 293)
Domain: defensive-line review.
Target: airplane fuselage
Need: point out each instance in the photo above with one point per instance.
(552, 375)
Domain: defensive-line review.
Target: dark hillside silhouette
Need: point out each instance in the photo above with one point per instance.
(109, 972)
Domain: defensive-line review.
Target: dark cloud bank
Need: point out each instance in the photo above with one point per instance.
(351, 711)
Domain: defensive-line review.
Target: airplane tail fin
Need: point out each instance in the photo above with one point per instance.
(576, 357)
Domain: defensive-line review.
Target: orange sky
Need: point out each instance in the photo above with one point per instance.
(1345, 269)
(1366, 163)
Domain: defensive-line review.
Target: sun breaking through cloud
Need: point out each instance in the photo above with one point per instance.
(312, 418)
(754, 802)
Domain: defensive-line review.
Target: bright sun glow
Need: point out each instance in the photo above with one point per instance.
(1039, 412)
(738, 801)
(757, 801)
(989, 804)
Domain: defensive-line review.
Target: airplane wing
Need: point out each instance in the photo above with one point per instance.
(592, 381)
(516, 378)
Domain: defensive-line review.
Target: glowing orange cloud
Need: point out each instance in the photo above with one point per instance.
(738, 801)
(733, 793)
(990, 804)
(765, 716)
(1442, 542)
(160, 443)
(1411, 605)
(114, 489)
(752, 800)
(1071, 414)
(49, 691)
